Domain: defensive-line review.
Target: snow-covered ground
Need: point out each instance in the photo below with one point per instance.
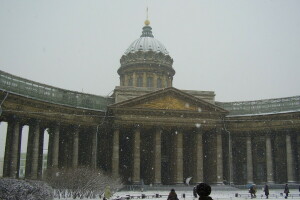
(222, 195)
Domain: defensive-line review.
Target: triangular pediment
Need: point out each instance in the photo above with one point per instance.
(168, 102)
(168, 99)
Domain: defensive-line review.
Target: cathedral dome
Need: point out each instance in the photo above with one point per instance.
(146, 63)
(147, 43)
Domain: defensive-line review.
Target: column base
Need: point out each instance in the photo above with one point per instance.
(291, 182)
(179, 183)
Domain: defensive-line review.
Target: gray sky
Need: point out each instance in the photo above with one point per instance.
(242, 50)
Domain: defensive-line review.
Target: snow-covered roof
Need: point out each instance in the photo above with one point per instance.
(146, 42)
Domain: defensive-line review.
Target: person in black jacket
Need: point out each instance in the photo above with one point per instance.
(286, 190)
(266, 190)
(252, 191)
(195, 191)
(172, 195)
(204, 190)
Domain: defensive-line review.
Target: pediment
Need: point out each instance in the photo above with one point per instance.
(168, 102)
(168, 99)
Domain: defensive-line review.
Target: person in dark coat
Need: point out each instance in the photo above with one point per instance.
(203, 190)
(286, 191)
(172, 195)
(252, 191)
(266, 190)
(195, 191)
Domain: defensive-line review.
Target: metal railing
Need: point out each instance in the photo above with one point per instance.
(287, 104)
(39, 91)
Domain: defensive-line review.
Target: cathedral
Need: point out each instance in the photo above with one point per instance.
(150, 132)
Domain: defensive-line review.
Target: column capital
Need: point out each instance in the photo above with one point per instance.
(75, 127)
(137, 126)
(158, 128)
(34, 121)
(13, 118)
(116, 126)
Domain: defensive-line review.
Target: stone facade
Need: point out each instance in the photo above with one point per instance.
(148, 130)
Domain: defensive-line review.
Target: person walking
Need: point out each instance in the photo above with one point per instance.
(252, 191)
(195, 191)
(172, 195)
(286, 191)
(204, 190)
(107, 193)
(266, 190)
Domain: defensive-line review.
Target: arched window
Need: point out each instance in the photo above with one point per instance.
(140, 81)
(166, 83)
(149, 82)
(159, 83)
(130, 81)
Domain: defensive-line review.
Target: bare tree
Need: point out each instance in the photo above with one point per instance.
(82, 182)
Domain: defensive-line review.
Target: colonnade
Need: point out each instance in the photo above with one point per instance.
(64, 148)
(287, 157)
(176, 158)
(71, 146)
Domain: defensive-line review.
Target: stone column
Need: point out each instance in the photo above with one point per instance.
(12, 150)
(32, 156)
(75, 148)
(94, 148)
(178, 158)
(115, 152)
(7, 154)
(155, 81)
(41, 153)
(289, 160)
(55, 147)
(298, 155)
(230, 162)
(144, 79)
(50, 148)
(134, 81)
(125, 80)
(269, 160)
(169, 81)
(249, 161)
(164, 80)
(157, 156)
(219, 158)
(198, 158)
(136, 156)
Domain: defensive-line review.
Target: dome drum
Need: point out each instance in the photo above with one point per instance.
(146, 57)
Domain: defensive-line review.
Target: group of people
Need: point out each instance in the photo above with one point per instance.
(252, 191)
(202, 189)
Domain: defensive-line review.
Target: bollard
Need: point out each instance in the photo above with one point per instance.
(183, 195)
(236, 195)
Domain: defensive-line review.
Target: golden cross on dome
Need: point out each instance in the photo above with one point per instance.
(147, 22)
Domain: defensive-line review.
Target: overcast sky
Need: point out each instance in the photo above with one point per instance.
(241, 49)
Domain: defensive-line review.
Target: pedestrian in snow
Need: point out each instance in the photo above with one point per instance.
(266, 190)
(204, 190)
(195, 191)
(252, 191)
(107, 193)
(172, 195)
(286, 190)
